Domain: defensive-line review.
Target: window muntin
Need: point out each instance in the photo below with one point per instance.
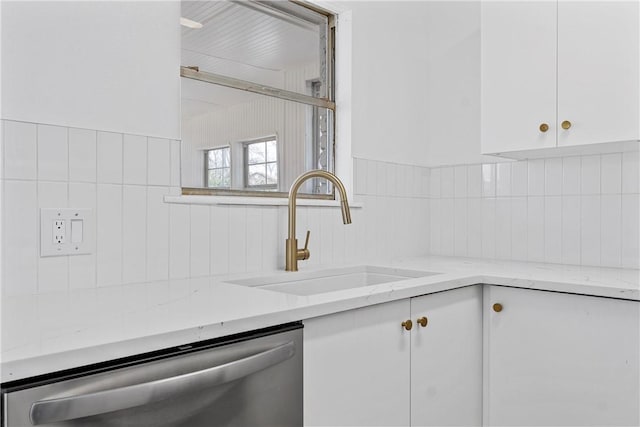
(261, 164)
(218, 173)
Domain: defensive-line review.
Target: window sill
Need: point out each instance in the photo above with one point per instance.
(253, 201)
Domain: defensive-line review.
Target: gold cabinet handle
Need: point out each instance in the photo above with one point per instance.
(566, 124)
(497, 307)
(544, 127)
(423, 321)
(407, 324)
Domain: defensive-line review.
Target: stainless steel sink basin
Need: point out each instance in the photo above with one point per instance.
(320, 282)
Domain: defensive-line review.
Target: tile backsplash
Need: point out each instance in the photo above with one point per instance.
(572, 210)
(140, 238)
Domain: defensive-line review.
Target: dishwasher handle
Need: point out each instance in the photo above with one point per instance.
(84, 405)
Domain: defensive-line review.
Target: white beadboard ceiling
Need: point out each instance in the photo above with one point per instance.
(240, 41)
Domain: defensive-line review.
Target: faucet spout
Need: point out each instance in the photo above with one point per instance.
(293, 254)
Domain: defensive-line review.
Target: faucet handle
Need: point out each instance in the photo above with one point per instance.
(304, 253)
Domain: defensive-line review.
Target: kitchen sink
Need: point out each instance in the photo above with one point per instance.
(331, 280)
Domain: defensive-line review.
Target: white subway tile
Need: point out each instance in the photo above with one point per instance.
(460, 226)
(219, 239)
(553, 229)
(82, 155)
(435, 226)
(611, 170)
(474, 181)
(135, 160)
(630, 231)
(271, 241)
(109, 158)
(610, 229)
(20, 224)
(536, 177)
(158, 161)
(571, 172)
(237, 239)
(553, 177)
(176, 163)
(630, 172)
(460, 178)
(179, 236)
(109, 235)
(503, 179)
(157, 234)
(435, 182)
(571, 233)
(535, 229)
(200, 244)
(590, 175)
(134, 233)
(446, 182)
(53, 274)
(519, 228)
(447, 223)
(372, 177)
(82, 268)
(488, 180)
(474, 226)
(488, 227)
(254, 239)
(503, 227)
(590, 230)
(20, 147)
(520, 178)
(360, 176)
(52, 194)
(53, 153)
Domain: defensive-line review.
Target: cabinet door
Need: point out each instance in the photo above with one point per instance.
(356, 367)
(446, 359)
(559, 359)
(598, 69)
(518, 74)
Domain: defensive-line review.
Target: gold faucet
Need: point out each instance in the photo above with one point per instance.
(293, 254)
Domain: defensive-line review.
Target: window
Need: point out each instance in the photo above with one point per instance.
(218, 161)
(252, 69)
(261, 164)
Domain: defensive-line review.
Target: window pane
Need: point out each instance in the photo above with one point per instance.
(212, 159)
(272, 151)
(257, 175)
(272, 173)
(226, 157)
(256, 153)
(226, 177)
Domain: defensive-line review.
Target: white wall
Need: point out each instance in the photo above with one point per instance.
(99, 65)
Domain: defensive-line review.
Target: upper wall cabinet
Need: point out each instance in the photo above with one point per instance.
(559, 75)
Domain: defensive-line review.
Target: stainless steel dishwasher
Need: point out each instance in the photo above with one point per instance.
(252, 379)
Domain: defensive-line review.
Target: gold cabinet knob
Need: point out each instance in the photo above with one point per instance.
(407, 324)
(423, 321)
(497, 307)
(544, 127)
(566, 124)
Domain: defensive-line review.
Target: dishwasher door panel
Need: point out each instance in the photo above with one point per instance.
(257, 382)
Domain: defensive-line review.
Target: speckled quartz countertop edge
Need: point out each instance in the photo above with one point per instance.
(192, 310)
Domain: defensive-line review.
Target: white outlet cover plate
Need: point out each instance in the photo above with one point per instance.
(48, 246)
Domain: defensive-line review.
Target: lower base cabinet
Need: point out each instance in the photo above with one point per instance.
(555, 359)
(371, 367)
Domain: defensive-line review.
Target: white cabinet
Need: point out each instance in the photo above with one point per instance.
(362, 367)
(559, 359)
(549, 63)
(356, 367)
(446, 359)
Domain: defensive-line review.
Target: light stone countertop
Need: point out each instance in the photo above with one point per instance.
(56, 331)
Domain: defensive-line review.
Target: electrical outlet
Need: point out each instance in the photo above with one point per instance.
(66, 231)
(59, 231)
